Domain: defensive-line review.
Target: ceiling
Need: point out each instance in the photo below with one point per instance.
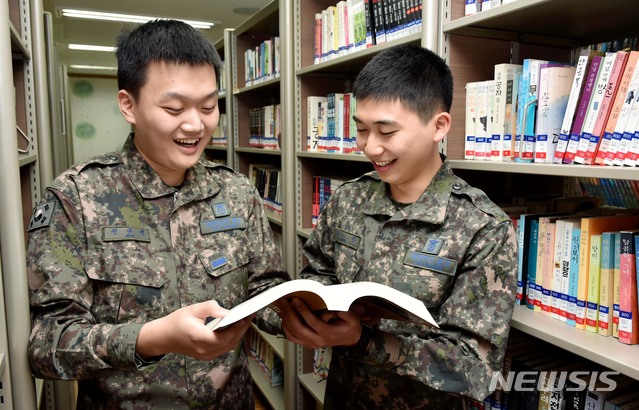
(79, 31)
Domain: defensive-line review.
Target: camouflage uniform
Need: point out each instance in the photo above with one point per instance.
(453, 249)
(112, 247)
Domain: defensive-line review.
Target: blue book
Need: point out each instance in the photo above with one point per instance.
(616, 279)
(573, 277)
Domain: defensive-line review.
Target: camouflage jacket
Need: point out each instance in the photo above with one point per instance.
(453, 249)
(111, 247)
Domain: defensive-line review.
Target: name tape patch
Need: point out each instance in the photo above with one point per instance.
(430, 262)
(223, 224)
(125, 233)
(346, 238)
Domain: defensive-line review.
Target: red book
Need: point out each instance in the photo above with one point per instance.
(628, 314)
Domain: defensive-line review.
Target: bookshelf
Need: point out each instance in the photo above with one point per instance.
(23, 125)
(221, 151)
(548, 29)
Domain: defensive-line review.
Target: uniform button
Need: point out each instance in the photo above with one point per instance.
(113, 157)
(456, 186)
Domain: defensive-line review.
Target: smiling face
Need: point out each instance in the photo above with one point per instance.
(402, 148)
(173, 117)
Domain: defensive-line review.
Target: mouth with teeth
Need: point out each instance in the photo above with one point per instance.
(383, 163)
(190, 143)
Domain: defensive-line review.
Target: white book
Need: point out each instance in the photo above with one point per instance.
(557, 255)
(553, 94)
(503, 111)
(313, 118)
(470, 129)
(471, 7)
(486, 5)
(482, 125)
(495, 3)
(594, 106)
(631, 128)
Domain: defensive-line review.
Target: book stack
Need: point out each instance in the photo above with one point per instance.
(563, 114)
(265, 127)
(323, 188)
(262, 63)
(582, 270)
(219, 138)
(329, 124)
(354, 25)
(475, 6)
(267, 180)
(265, 357)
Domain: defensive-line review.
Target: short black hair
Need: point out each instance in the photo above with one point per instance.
(162, 40)
(416, 76)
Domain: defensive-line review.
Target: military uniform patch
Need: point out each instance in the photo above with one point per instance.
(433, 246)
(220, 210)
(41, 215)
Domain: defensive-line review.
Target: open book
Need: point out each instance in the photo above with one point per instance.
(380, 301)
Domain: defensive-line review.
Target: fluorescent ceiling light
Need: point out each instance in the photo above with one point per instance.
(90, 47)
(92, 67)
(127, 18)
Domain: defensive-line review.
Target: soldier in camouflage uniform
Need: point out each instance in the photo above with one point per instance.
(413, 225)
(130, 252)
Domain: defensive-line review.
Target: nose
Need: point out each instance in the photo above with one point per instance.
(192, 122)
(372, 145)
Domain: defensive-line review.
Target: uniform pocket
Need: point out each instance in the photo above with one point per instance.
(426, 277)
(229, 272)
(126, 287)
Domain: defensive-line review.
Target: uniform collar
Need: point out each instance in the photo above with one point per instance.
(430, 207)
(196, 185)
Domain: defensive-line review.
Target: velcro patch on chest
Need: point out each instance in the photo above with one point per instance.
(222, 224)
(125, 233)
(430, 262)
(346, 238)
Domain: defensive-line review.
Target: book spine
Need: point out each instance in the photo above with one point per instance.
(571, 106)
(470, 124)
(627, 290)
(573, 278)
(604, 321)
(555, 289)
(531, 290)
(616, 282)
(594, 275)
(575, 133)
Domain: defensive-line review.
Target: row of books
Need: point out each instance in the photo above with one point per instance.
(353, 25)
(267, 360)
(219, 138)
(330, 124)
(267, 179)
(322, 361)
(581, 270)
(537, 375)
(265, 127)
(620, 193)
(262, 63)
(475, 6)
(323, 188)
(553, 112)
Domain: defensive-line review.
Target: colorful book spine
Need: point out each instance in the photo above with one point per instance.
(575, 133)
(503, 111)
(610, 94)
(619, 111)
(594, 106)
(606, 283)
(628, 314)
(531, 290)
(556, 282)
(527, 104)
(594, 275)
(583, 63)
(573, 278)
(616, 281)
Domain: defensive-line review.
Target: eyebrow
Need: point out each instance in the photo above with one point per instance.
(378, 122)
(173, 95)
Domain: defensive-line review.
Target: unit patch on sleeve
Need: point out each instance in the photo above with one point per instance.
(41, 215)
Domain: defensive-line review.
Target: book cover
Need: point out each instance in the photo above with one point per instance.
(594, 225)
(606, 283)
(594, 275)
(565, 259)
(582, 109)
(482, 120)
(380, 300)
(530, 291)
(620, 109)
(610, 93)
(554, 91)
(594, 106)
(548, 270)
(471, 113)
(503, 111)
(583, 63)
(557, 271)
(544, 264)
(628, 132)
(628, 315)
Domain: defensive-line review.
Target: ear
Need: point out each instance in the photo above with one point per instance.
(442, 122)
(127, 106)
